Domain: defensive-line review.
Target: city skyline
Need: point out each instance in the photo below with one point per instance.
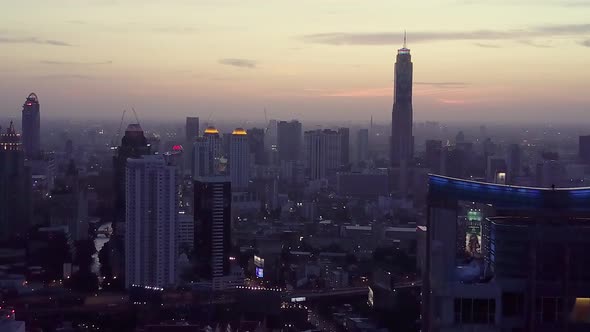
(323, 60)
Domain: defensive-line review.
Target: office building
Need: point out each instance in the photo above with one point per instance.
(212, 226)
(289, 140)
(239, 159)
(133, 145)
(69, 203)
(362, 145)
(31, 128)
(402, 140)
(344, 146)
(15, 185)
(185, 236)
(322, 153)
(191, 130)
(433, 156)
(584, 149)
(529, 269)
(256, 140)
(207, 152)
(514, 162)
(151, 211)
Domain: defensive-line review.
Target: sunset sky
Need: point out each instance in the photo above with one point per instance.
(474, 60)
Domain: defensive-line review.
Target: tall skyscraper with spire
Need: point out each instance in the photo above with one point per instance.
(31, 125)
(402, 140)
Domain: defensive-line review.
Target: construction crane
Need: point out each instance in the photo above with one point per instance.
(135, 114)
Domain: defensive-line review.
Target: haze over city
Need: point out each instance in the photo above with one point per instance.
(501, 61)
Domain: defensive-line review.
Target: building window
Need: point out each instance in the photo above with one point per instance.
(512, 304)
(475, 311)
(549, 309)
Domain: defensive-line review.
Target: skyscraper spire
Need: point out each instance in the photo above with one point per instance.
(404, 38)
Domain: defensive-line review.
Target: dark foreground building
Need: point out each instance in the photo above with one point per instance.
(519, 262)
(212, 227)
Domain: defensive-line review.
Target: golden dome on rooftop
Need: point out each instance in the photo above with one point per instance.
(239, 131)
(211, 130)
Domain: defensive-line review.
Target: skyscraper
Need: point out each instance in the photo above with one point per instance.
(433, 156)
(289, 140)
(191, 130)
(15, 185)
(151, 213)
(402, 141)
(133, 145)
(322, 152)
(31, 126)
(344, 146)
(362, 148)
(239, 159)
(206, 153)
(212, 226)
(256, 140)
(514, 162)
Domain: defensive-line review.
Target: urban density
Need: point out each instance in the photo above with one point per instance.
(286, 224)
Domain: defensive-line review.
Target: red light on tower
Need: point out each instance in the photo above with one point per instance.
(177, 148)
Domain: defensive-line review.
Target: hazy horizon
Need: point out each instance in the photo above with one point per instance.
(313, 60)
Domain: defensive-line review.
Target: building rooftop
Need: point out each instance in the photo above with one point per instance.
(444, 188)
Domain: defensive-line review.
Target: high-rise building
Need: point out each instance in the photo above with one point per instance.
(344, 146)
(402, 140)
(322, 153)
(584, 149)
(525, 264)
(362, 145)
(15, 185)
(69, 203)
(207, 152)
(212, 226)
(256, 140)
(133, 145)
(433, 156)
(31, 126)
(151, 211)
(239, 159)
(289, 140)
(191, 130)
(514, 162)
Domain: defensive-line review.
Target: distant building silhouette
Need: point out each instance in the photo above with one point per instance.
(31, 127)
(289, 140)
(344, 146)
(256, 140)
(402, 140)
(322, 153)
(191, 130)
(362, 145)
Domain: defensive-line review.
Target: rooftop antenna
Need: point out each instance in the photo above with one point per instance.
(404, 38)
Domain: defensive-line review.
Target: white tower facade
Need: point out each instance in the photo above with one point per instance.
(151, 222)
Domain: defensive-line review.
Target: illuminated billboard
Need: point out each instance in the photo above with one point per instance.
(258, 261)
(259, 272)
